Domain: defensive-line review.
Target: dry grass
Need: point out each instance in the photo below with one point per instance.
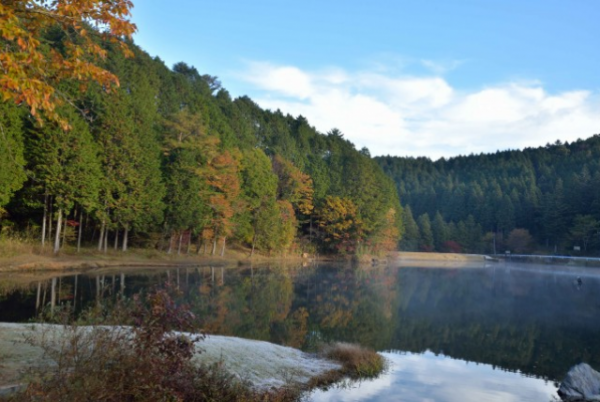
(357, 363)
(357, 360)
(11, 246)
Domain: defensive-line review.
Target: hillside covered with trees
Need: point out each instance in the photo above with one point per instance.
(544, 199)
(169, 160)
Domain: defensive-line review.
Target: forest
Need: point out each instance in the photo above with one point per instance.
(103, 146)
(168, 160)
(544, 200)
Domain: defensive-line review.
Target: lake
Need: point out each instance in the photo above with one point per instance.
(498, 332)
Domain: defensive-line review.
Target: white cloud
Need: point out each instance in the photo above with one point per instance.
(426, 377)
(425, 116)
(441, 67)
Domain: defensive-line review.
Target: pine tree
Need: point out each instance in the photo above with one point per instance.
(412, 237)
(426, 239)
(12, 161)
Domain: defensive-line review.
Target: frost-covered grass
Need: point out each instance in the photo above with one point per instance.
(256, 366)
(250, 370)
(263, 364)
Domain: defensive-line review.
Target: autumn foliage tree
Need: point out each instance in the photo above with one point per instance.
(32, 70)
(223, 196)
(294, 185)
(337, 219)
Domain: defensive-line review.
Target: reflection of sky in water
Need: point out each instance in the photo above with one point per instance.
(428, 378)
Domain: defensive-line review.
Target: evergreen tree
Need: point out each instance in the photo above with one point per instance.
(12, 161)
(412, 237)
(440, 231)
(426, 240)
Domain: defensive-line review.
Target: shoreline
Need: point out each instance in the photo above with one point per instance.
(138, 258)
(135, 258)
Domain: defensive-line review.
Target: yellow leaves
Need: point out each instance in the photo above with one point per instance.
(338, 219)
(294, 185)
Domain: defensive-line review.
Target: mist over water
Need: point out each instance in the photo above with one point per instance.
(504, 331)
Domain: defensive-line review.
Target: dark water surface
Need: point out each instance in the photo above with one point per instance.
(498, 333)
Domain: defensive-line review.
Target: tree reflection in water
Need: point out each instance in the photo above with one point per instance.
(516, 318)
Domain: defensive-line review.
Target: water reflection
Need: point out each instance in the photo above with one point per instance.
(428, 377)
(527, 319)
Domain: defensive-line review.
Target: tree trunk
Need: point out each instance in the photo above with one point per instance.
(179, 245)
(170, 249)
(116, 239)
(79, 232)
(189, 243)
(57, 237)
(105, 240)
(125, 237)
(253, 243)
(50, 213)
(64, 234)
(199, 245)
(214, 249)
(44, 219)
(223, 249)
(101, 235)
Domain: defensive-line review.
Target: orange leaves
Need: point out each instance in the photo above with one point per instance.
(223, 194)
(30, 73)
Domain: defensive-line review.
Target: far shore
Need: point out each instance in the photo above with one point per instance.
(35, 260)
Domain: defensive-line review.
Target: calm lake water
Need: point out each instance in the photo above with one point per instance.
(494, 333)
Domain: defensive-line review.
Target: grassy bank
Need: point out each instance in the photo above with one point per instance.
(23, 255)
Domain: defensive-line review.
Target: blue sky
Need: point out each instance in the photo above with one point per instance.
(433, 78)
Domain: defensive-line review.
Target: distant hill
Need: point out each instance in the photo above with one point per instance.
(552, 193)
